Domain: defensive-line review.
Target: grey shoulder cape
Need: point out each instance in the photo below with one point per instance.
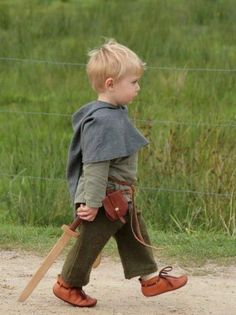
(101, 132)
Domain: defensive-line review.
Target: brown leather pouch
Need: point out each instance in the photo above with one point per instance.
(116, 206)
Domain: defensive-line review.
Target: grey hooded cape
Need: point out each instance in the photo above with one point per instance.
(101, 132)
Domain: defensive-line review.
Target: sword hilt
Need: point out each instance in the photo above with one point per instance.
(75, 223)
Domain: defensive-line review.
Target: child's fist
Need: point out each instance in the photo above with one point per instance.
(86, 213)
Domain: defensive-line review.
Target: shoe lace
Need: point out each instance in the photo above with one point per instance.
(164, 272)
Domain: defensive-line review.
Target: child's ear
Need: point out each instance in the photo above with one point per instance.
(109, 83)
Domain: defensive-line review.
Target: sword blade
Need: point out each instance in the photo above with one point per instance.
(47, 262)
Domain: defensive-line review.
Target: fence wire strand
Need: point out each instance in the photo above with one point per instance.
(78, 64)
(160, 189)
(146, 121)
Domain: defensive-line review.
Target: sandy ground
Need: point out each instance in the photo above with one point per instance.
(211, 290)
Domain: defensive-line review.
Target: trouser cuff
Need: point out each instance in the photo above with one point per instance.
(140, 272)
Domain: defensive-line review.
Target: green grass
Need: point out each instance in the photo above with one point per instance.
(195, 154)
(193, 249)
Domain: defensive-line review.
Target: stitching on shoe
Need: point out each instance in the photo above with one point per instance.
(79, 291)
(146, 285)
(82, 294)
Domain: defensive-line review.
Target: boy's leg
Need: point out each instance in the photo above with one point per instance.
(93, 237)
(137, 259)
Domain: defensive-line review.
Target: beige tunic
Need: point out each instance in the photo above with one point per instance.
(93, 182)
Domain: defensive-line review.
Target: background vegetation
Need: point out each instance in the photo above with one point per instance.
(188, 116)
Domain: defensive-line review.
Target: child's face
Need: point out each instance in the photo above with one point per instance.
(125, 90)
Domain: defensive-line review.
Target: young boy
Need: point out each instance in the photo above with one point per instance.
(103, 159)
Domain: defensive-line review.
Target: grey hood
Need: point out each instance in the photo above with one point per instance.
(101, 132)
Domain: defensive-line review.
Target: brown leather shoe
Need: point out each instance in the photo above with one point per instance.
(162, 283)
(74, 296)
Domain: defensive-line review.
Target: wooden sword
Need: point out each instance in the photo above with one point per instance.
(69, 232)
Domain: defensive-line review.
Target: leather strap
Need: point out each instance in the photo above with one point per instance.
(135, 227)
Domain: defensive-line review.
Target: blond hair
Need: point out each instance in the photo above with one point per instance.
(112, 60)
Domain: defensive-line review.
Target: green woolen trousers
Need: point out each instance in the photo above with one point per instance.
(136, 258)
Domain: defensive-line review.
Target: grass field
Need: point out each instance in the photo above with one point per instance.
(196, 249)
(188, 116)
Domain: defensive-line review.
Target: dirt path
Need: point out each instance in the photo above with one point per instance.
(211, 290)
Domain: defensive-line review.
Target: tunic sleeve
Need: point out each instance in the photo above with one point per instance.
(95, 183)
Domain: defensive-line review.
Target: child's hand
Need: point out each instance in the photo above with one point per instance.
(86, 213)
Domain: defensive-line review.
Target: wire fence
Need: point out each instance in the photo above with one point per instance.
(165, 122)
